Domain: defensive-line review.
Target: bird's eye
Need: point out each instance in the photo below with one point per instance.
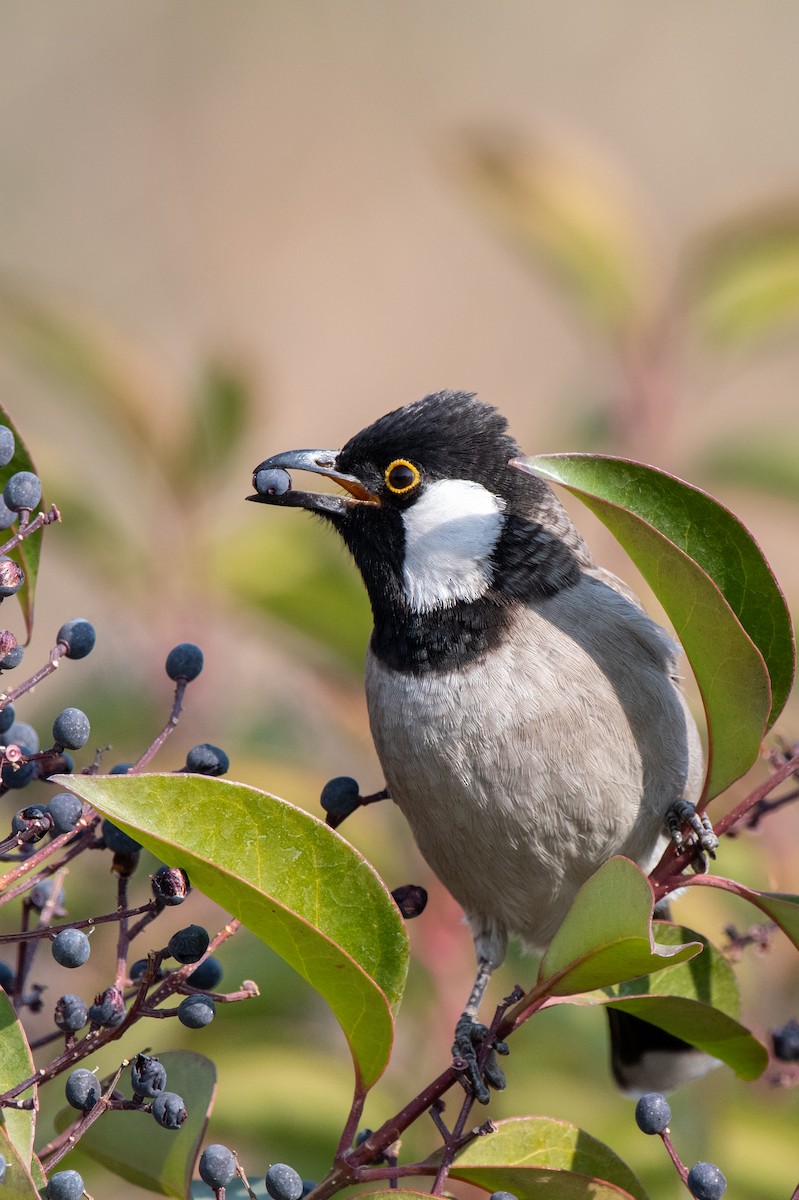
(401, 476)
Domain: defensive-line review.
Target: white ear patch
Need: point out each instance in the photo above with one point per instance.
(450, 533)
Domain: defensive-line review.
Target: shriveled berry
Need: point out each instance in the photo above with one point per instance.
(118, 841)
(12, 576)
(82, 1089)
(147, 1076)
(71, 1014)
(108, 1009)
(71, 729)
(652, 1113)
(206, 759)
(65, 1185)
(78, 636)
(71, 948)
(170, 885)
(340, 796)
(786, 1041)
(23, 491)
(196, 1011)
(283, 1182)
(271, 481)
(169, 1110)
(65, 812)
(188, 945)
(217, 1166)
(7, 445)
(184, 662)
(706, 1182)
(207, 975)
(410, 899)
(32, 820)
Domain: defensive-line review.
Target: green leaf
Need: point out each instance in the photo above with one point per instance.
(18, 1183)
(27, 553)
(782, 907)
(289, 878)
(538, 1157)
(16, 1063)
(566, 215)
(130, 1144)
(707, 977)
(711, 1030)
(713, 581)
(743, 278)
(605, 937)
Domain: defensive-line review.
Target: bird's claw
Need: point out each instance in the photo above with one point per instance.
(470, 1037)
(700, 838)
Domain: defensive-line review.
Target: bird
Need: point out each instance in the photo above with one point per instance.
(526, 711)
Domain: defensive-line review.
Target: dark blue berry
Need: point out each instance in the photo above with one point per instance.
(12, 659)
(118, 841)
(82, 1089)
(65, 812)
(786, 1042)
(502, 1196)
(78, 636)
(108, 1009)
(188, 945)
(217, 1166)
(169, 1110)
(272, 481)
(7, 445)
(71, 729)
(207, 975)
(283, 1182)
(120, 769)
(41, 892)
(652, 1113)
(65, 1185)
(71, 1014)
(410, 899)
(7, 718)
(6, 977)
(206, 759)
(706, 1182)
(23, 491)
(15, 776)
(184, 662)
(140, 966)
(7, 515)
(148, 1076)
(196, 1011)
(170, 885)
(20, 733)
(340, 796)
(71, 948)
(12, 576)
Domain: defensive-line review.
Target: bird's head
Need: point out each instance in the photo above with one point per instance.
(431, 510)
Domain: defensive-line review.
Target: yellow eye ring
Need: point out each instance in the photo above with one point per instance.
(401, 476)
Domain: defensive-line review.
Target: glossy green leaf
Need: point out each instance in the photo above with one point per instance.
(292, 881)
(537, 1157)
(16, 1064)
(742, 279)
(566, 215)
(134, 1147)
(703, 1026)
(605, 937)
(707, 977)
(27, 553)
(18, 1182)
(713, 581)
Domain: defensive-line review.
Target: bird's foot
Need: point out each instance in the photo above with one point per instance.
(700, 837)
(481, 1070)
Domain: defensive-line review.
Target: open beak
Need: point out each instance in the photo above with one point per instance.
(321, 462)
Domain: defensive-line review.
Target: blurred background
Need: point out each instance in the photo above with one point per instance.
(232, 229)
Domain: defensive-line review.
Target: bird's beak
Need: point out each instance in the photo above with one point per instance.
(321, 462)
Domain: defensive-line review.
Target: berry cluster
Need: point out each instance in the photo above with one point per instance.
(704, 1180)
